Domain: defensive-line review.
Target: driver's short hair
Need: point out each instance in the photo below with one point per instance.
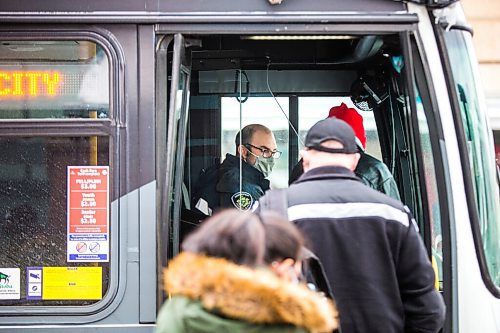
(247, 133)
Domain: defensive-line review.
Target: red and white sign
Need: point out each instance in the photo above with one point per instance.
(88, 214)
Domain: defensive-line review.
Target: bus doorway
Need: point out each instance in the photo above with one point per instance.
(287, 83)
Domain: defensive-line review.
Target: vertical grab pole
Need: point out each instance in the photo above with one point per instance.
(93, 154)
(93, 142)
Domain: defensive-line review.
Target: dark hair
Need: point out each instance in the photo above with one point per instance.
(283, 239)
(247, 133)
(230, 234)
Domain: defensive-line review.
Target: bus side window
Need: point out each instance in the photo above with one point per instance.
(57, 174)
(257, 110)
(313, 109)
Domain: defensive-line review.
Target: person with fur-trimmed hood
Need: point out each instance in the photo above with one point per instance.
(239, 273)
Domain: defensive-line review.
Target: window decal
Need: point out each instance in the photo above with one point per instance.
(10, 283)
(34, 276)
(88, 214)
(60, 283)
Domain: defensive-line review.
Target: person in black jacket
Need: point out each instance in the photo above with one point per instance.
(220, 186)
(374, 258)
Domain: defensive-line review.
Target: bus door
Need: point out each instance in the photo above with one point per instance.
(173, 78)
(288, 83)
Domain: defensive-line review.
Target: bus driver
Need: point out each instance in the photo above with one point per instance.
(219, 186)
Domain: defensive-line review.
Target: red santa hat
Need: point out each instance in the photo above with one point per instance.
(353, 118)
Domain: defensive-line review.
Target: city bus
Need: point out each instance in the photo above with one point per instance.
(110, 111)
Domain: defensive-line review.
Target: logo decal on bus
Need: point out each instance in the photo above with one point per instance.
(4, 278)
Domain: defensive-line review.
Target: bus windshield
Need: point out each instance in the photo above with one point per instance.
(479, 146)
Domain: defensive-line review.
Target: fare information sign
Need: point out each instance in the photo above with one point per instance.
(88, 214)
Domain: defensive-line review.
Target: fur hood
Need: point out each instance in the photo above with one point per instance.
(242, 293)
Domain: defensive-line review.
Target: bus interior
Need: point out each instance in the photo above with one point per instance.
(288, 83)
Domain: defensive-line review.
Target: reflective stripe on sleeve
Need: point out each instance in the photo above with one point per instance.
(346, 210)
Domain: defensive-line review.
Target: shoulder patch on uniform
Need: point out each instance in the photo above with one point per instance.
(242, 200)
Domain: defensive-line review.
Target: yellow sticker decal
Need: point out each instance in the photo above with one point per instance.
(72, 283)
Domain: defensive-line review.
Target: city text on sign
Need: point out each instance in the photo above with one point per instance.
(30, 83)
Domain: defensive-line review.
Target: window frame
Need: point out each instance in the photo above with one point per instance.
(428, 97)
(443, 177)
(80, 127)
(420, 188)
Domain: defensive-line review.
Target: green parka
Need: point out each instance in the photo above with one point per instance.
(214, 295)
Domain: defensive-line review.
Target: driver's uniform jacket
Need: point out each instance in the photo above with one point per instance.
(374, 258)
(219, 185)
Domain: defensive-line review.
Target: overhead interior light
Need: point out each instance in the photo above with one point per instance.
(298, 37)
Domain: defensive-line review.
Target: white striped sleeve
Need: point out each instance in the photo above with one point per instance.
(346, 210)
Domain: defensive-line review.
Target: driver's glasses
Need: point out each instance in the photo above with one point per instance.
(266, 153)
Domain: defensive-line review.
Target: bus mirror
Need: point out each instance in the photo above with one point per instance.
(368, 91)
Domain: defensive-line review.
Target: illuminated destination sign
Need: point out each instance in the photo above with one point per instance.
(54, 86)
(30, 83)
